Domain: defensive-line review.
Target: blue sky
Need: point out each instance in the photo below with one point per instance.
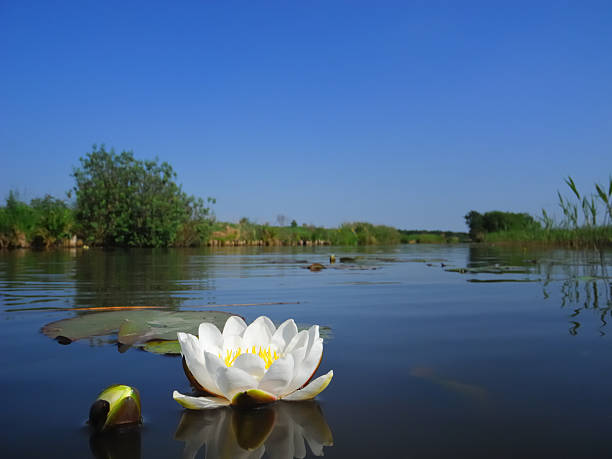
(403, 113)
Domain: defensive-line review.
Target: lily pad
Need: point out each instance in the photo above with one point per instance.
(162, 347)
(496, 281)
(134, 326)
(496, 269)
(150, 330)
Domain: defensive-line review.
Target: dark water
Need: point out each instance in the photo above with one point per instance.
(427, 363)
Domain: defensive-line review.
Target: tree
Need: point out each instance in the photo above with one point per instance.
(494, 221)
(128, 202)
(54, 218)
(475, 221)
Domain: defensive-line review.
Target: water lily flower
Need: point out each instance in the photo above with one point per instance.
(251, 365)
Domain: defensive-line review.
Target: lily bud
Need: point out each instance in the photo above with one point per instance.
(116, 405)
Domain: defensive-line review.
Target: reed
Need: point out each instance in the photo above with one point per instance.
(586, 221)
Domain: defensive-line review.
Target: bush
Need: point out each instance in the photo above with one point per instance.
(122, 201)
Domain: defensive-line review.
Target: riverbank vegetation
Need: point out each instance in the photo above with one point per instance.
(586, 221)
(120, 201)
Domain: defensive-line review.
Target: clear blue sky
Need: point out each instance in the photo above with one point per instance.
(403, 113)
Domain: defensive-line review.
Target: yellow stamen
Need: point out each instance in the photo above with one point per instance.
(267, 355)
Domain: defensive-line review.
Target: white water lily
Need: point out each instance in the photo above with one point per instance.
(252, 365)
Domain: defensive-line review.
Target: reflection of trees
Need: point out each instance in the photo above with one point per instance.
(583, 276)
(280, 430)
(31, 277)
(151, 277)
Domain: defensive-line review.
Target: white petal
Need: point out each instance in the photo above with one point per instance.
(313, 337)
(306, 368)
(297, 348)
(299, 340)
(210, 338)
(231, 343)
(194, 358)
(278, 376)
(311, 390)
(268, 323)
(233, 380)
(234, 326)
(199, 403)
(283, 335)
(258, 334)
(252, 364)
(213, 363)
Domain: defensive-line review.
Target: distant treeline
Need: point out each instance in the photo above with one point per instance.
(120, 201)
(586, 221)
(496, 221)
(432, 237)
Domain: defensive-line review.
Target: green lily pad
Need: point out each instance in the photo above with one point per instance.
(496, 281)
(491, 270)
(134, 326)
(162, 347)
(151, 330)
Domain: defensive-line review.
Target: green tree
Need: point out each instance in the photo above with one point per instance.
(495, 221)
(54, 218)
(475, 221)
(124, 201)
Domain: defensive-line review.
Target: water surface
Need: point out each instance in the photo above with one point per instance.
(509, 355)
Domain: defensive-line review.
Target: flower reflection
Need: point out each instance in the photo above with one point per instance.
(280, 430)
(122, 442)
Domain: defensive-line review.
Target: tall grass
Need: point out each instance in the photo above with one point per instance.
(586, 221)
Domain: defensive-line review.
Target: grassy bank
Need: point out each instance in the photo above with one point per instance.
(50, 222)
(586, 222)
(347, 234)
(583, 237)
(432, 237)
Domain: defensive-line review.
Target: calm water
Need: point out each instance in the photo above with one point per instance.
(427, 362)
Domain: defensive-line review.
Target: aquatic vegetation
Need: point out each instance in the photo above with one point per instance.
(586, 221)
(116, 405)
(132, 327)
(252, 365)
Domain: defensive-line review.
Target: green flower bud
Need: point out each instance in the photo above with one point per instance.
(116, 405)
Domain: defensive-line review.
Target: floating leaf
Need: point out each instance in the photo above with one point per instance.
(152, 330)
(131, 332)
(496, 269)
(316, 267)
(502, 280)
(134, 326)
(162, 347)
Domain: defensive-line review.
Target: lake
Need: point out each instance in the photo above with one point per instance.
(437, 351)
